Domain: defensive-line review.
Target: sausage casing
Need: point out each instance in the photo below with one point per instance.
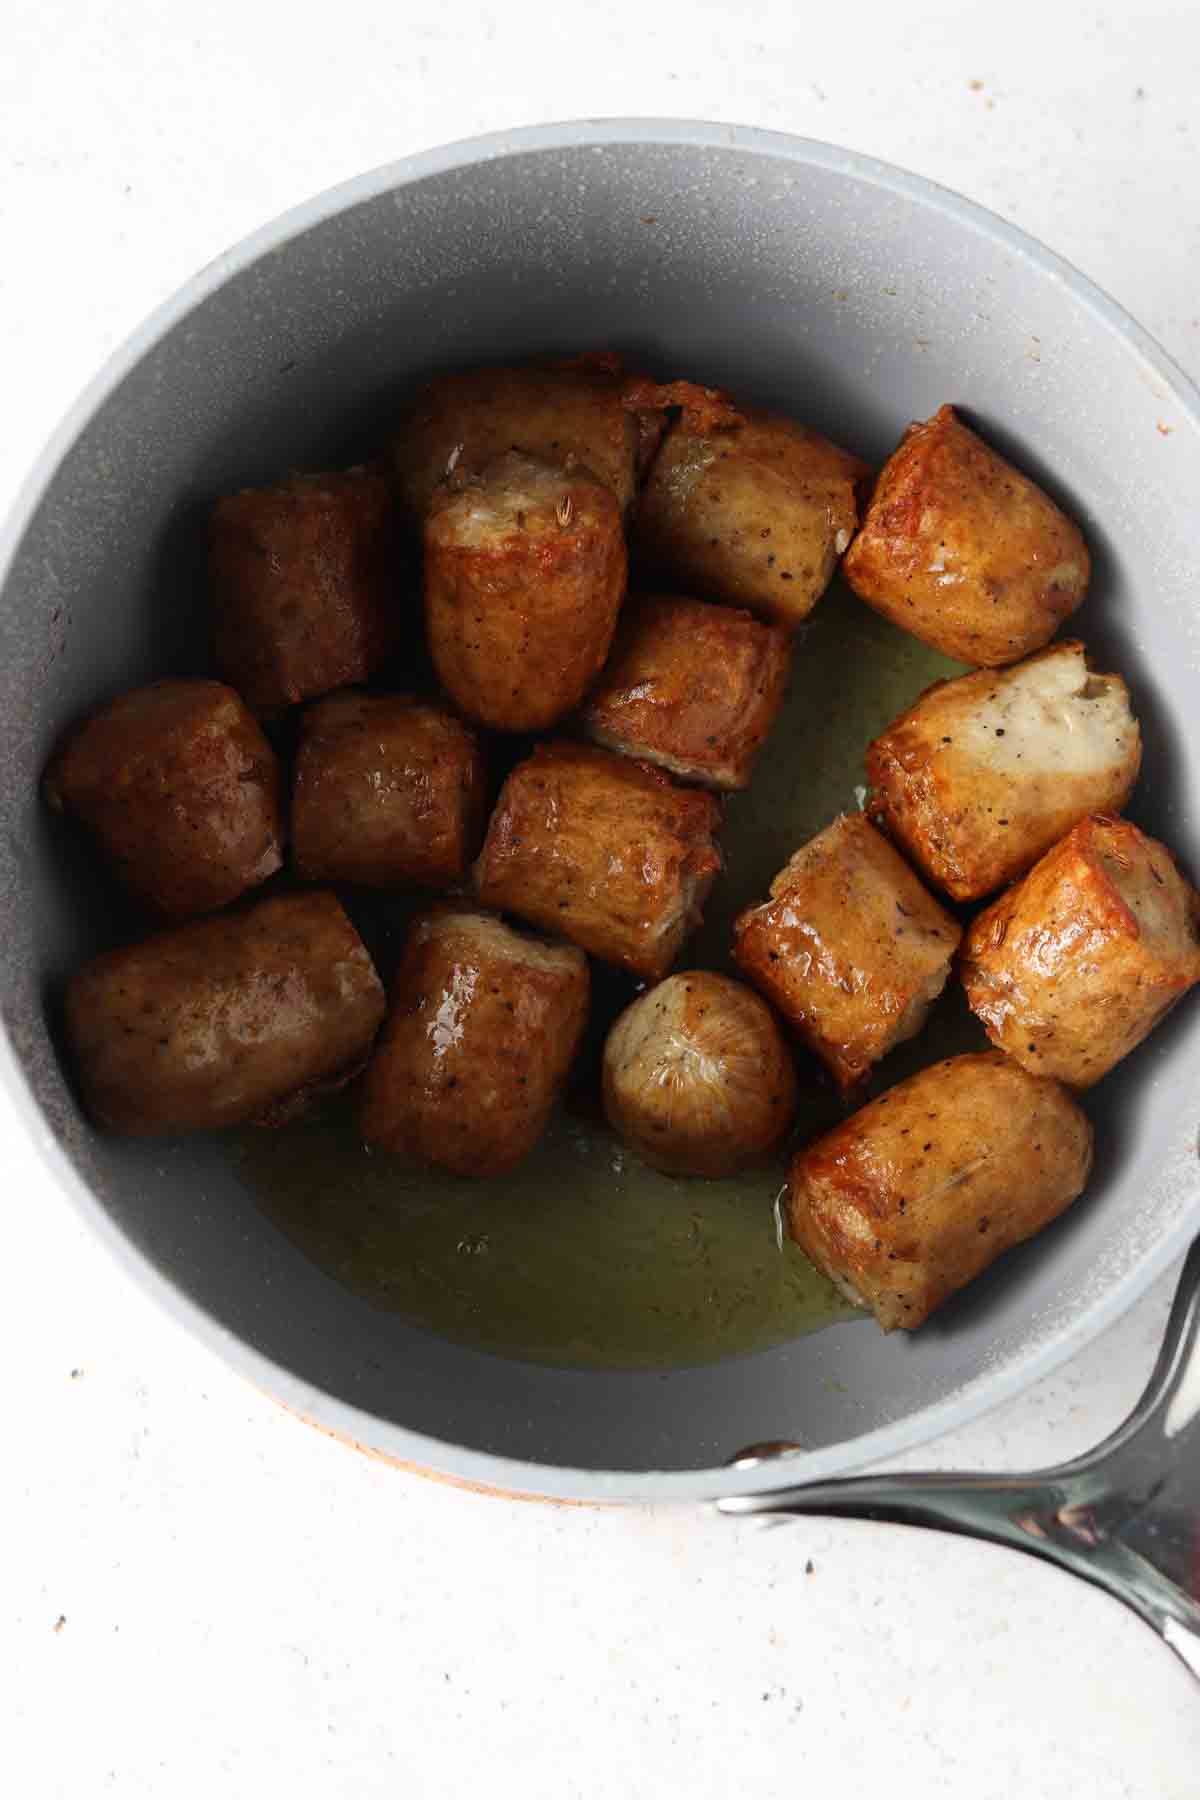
(1070, 969)
(524, 576)
(302, 585)
(219, 1021)
(850, 947)
(388, 790)
(463, 421)
(755, 512)
(913, 1196)
(691, 687)
(603, 851)
(697, 1077)
(180, 790)
(964, 551)
(481, 1029)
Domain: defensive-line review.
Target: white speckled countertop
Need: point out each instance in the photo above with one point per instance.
(198, 1595)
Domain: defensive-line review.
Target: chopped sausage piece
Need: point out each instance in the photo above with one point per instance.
(964, 551)
(697, 1077)
(691, 687)
(179, 789)
(463, 421)
(1070, 969)
(223, 1020)
(303, 583)
(388, 790)
(482, 1027)
(984, 773)
(524, 577)
(603, 851)
(850, 947)
(912, 1197)
(755, 512)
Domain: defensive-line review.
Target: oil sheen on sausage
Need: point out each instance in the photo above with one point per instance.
(916, 1194)
(1070, 969)
(603, 851)
(482, 1026)
(225, 1019)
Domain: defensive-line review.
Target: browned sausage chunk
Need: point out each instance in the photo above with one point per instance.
(984, 773)
(850, 947)
(524, 578)
(181, 792)
(303, 586)
(755, 513)
(481, 1030)
(220, 1021)
(964, 551)
(691, 687)
(697, 1077)
(1071, 968)
(915, 1195)
(602, 851)
(388, 790)
(462, 422)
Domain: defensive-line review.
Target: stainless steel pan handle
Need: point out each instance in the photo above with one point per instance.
(1125, 1516)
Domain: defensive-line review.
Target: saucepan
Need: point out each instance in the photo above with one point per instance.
(818, 281)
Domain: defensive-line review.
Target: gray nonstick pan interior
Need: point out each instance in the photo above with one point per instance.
(809, 280)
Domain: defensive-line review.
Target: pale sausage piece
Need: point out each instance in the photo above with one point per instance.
(482, 1026)
(965, 552)
(754, 511)
(603, 851)
(388, 791)
(850, 947)
(525, 572)
(1070, 969)
(912, 1197)
(692, 687)
(697, 1077)
(984, 773)
(180, 791)
(225, 1019)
